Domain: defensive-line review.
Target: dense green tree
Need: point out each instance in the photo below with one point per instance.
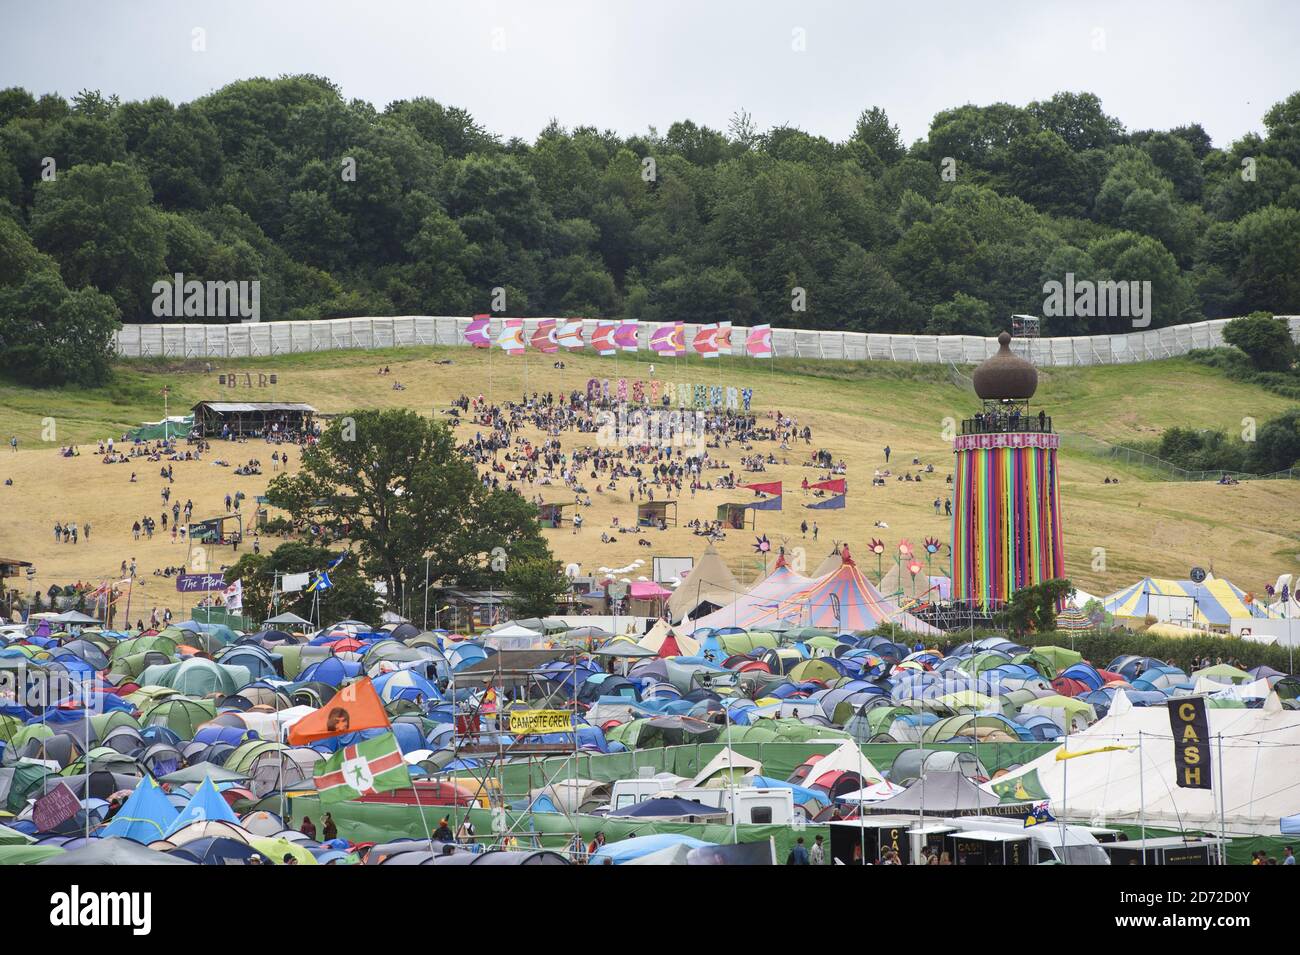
(341, 208)
(1265, 340)
(51, 336)
(349, 596)
(99, 224)
(393, 485)
(535, 586)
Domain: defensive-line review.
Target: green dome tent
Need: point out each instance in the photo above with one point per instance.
(182, 716)
(198, 677)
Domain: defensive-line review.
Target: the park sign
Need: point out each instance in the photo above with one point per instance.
(193, 583)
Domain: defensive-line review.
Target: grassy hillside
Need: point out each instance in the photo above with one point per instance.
(1144, 525)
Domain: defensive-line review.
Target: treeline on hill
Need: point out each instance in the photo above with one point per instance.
(99, 199)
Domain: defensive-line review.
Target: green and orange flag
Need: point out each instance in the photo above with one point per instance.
(371, 766)
(355, 707)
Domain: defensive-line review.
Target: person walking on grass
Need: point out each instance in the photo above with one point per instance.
(799, 854)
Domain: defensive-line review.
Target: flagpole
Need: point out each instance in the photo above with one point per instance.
(1065, 796)
(1223, 823)
(1142, 800)
(85, 703)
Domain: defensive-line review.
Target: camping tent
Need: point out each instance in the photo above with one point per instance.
(940, 793)
(709, 582)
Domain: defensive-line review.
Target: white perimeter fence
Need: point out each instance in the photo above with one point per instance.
(281, 338)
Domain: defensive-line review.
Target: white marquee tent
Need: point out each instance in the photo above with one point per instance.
(1257, 762)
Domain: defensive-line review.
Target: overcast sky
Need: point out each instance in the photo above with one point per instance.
(631, 64)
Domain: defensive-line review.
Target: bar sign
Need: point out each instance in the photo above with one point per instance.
(1191, 728)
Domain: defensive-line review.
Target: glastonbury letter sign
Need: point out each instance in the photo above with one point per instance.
(716, 397)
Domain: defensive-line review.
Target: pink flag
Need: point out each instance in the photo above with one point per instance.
(625, 336)
(669, 339)
(511, 339)
(759, 342)
(544, 337)
(476, 332)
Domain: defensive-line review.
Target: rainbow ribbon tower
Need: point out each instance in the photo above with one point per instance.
(1006, 518)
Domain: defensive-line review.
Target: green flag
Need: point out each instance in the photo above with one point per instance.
(371, 766)
(1024, 788)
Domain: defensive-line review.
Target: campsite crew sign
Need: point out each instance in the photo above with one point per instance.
(1191, 729)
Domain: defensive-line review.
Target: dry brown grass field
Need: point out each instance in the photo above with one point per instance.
(1145, 524)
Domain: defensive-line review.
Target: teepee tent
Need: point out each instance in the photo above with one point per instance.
(709, 585)
(665, 641)
(829, 565)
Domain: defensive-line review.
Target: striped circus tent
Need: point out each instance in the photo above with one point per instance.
(1212, 603)
(762, 599)
(844, 601)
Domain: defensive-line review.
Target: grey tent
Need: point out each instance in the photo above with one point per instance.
(114, 851)
(942, 794)
(197, 772)
(289, 619)
(73, 616)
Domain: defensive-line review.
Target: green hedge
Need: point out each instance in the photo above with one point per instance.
(1185, 652)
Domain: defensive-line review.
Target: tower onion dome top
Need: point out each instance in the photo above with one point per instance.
(1005, 375)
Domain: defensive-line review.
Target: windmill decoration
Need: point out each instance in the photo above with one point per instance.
(762, 546)
(877, 547)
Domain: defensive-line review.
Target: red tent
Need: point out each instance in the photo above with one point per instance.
(1068, 687)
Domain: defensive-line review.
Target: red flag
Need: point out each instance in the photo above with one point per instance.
(772, 487)
(544, 337)
(836, 486)
(603, 339)
(759, 342)
(355, 707)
